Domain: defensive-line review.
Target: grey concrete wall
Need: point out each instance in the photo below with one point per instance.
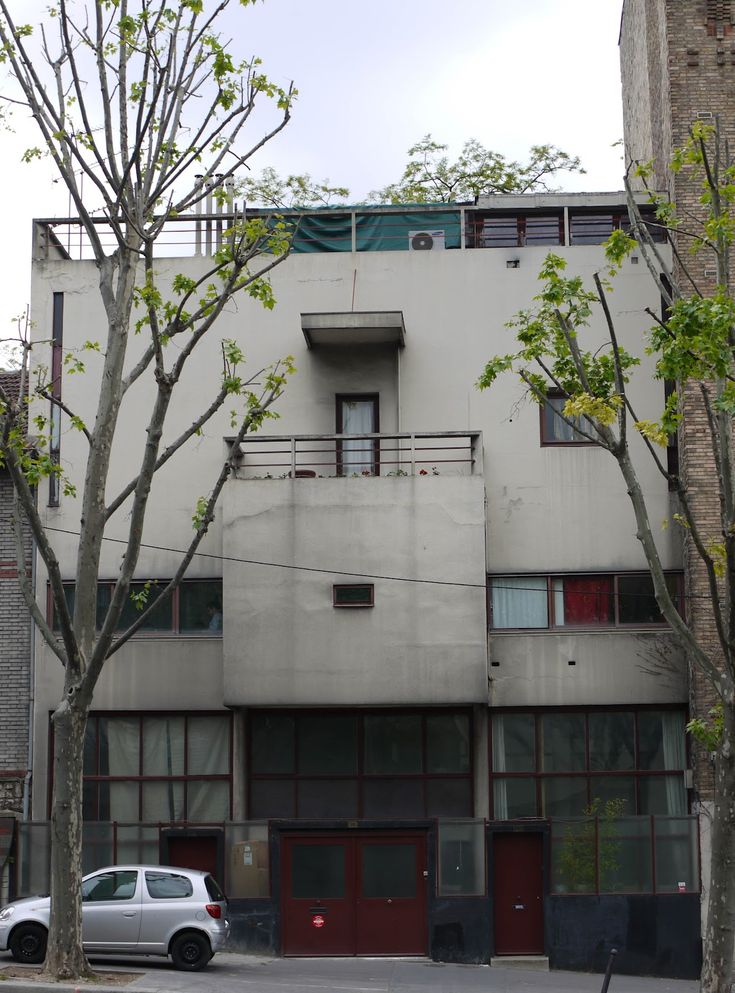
(612, 667)
(423, 642)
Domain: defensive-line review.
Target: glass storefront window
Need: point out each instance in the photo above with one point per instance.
(392, 743)
(562, 742)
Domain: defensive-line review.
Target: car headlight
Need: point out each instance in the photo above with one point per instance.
(6, 913)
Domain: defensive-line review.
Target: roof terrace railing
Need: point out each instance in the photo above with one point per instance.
(416, 453)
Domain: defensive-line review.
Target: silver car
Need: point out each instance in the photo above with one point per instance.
(131, 910)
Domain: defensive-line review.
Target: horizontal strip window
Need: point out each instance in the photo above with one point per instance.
(514, 230)
(195, 607)
(595, 227)
(314, 764)
(572, 763)
(158, 767)
(582, 601)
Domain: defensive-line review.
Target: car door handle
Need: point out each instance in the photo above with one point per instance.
(130, 913)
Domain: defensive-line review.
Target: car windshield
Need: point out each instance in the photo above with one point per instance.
(213, 888)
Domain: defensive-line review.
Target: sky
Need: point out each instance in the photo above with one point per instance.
(373, 78)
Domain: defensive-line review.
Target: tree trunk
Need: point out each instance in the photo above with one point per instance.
(65, 958)
(719, 945)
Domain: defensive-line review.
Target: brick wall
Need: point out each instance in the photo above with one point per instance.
(14, 662)
(677, 66)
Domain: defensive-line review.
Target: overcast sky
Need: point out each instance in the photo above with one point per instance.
(375, 77)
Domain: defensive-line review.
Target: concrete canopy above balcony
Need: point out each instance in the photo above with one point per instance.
(372, 327)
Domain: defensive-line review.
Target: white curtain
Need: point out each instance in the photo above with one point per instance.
(500, 788)
(358, 418)
(672, 732)
(520, 602)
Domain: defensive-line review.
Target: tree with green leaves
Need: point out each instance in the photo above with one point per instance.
(430, 176)
(693, 346)
(145, 112)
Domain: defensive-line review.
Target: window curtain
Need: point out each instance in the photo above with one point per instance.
(583, 600)
(500, 786)
(520, 602)
(673, 739)
(358, 455)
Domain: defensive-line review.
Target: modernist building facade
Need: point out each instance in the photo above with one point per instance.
(410, 700)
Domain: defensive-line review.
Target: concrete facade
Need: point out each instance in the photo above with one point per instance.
(453, 486)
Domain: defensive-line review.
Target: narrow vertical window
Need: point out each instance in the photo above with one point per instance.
(57, 332)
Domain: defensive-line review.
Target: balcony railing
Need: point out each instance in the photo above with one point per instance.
(416, 453)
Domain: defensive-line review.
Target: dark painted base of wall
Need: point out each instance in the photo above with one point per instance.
(654, 935)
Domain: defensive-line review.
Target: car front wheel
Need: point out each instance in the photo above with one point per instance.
(28, 944)
(190, 951)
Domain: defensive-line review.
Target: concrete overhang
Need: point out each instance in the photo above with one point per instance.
(372, 327)
(538, 201)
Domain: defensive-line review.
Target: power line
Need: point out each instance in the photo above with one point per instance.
(393, 579)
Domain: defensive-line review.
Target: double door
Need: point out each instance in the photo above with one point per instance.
(357, 894)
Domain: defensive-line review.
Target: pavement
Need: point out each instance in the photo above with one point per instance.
(229, 972)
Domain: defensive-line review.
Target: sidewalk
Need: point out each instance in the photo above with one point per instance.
(233, 973)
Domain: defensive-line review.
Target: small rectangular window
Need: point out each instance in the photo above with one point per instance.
(558, 430)
(353, 595)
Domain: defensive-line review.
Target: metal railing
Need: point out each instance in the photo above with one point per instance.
(415, 453)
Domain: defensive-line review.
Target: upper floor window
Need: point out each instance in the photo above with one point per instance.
(592, 227)
(557, 430)
(514, 230)
(195, 607)
(538, 602)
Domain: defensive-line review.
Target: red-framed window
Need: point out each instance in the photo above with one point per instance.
(360, 764)
(566, 762)
(194, 608)
(593, 227)
(158, 767)
(590, 600)
(494, 230)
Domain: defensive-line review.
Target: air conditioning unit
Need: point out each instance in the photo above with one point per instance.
(426, 241)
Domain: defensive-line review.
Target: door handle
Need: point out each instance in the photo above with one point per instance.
(130, 913)
(519, 906)
(389, 900)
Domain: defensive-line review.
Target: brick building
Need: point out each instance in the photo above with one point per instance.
(15, 671)
(678, 67)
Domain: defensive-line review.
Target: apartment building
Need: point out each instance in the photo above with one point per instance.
(415, 697)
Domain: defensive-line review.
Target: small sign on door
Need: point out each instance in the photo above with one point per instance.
(318, 921)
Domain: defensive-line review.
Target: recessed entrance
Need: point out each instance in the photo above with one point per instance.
(357, 894)
(518, 891)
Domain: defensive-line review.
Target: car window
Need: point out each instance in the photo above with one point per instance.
(110, 886)
(167, 885)
(213, 889)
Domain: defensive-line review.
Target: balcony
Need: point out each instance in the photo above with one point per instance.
(309, 456)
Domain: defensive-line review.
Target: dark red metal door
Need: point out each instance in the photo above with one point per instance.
(318, 896)
(194, 852)
(518, 905)
(354, 895)
(391, 901)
